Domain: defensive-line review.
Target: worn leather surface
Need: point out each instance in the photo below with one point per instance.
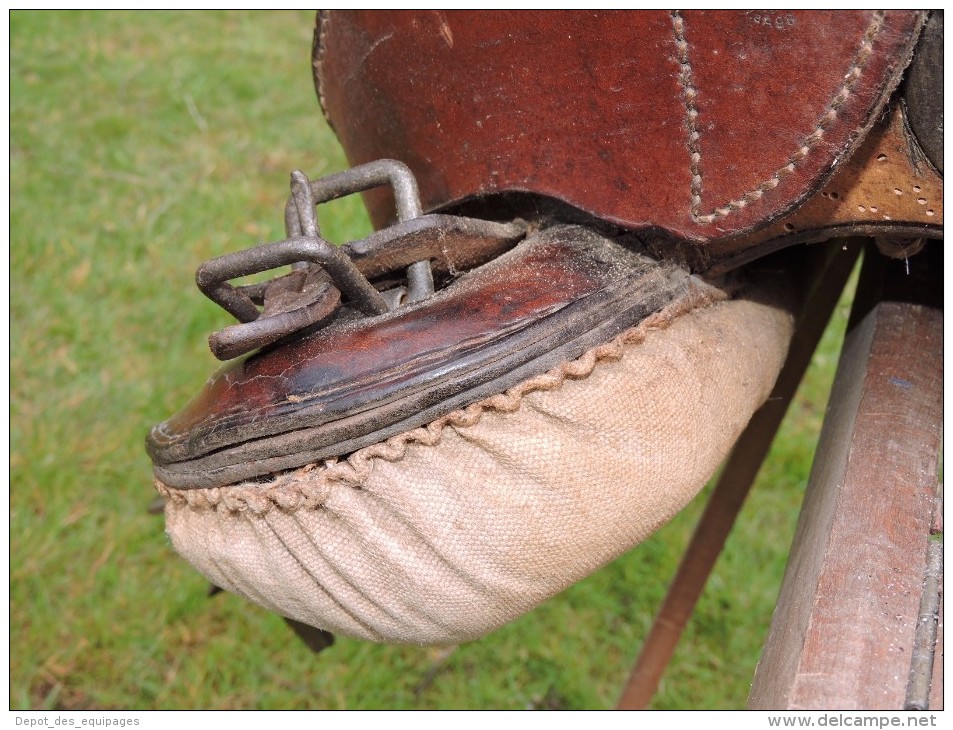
(358, 381)
(704, 124)
(888, 188)
(923, 93)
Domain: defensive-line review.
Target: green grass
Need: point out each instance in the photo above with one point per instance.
(142, 144)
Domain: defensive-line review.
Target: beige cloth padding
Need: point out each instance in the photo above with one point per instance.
(446, 533)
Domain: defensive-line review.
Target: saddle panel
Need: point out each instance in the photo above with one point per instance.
(676, 121)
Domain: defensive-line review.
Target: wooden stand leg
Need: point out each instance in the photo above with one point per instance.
(825, 279)
(845, 626)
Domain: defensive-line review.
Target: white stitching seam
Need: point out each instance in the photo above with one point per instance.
(690, 93)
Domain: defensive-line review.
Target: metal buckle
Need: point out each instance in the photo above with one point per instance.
(321, 272)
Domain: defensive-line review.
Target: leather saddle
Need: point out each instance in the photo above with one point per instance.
(541, 183)
(717, 135)
(703, 139)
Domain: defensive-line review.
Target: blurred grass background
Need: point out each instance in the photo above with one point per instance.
(141, 145)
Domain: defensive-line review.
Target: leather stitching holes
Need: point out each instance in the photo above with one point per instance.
(691, 117)
(690, 93)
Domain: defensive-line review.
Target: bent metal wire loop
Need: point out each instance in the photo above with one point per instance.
(365, 177)
(303, 249)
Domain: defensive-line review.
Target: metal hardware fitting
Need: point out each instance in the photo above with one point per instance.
(321, 272)
(365, 177)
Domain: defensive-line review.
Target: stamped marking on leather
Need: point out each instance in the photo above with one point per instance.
(768, 19)
(690, 93)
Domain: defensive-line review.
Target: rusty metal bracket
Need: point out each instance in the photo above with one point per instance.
(292, 302)
(322, 273)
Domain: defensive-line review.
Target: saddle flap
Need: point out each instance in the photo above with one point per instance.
(678, 120)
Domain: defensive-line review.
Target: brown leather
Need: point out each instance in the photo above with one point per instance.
(883, 182)
(923, 90)
(705, 124)
(644, 119)
(358, 381)
(887, 188)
